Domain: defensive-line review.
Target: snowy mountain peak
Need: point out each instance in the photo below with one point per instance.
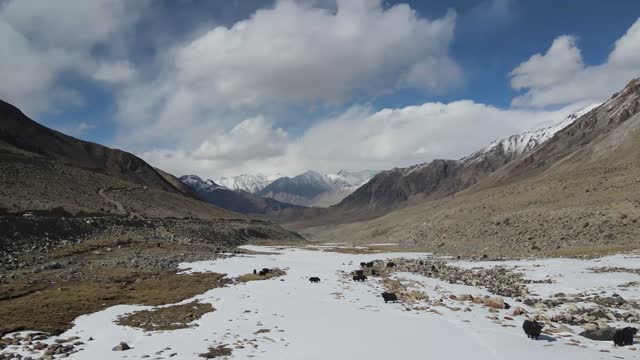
(246, 182)
(518, 144)
(352, 178)
(197, 183)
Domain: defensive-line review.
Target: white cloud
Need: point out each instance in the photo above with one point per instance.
(560, 76)
(41, 40)
(294, 54)
(355, 139)
(253, 138)
(115, 72)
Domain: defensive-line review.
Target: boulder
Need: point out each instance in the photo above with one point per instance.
(494, 302)
(605, 334)
(123, 346)
(519, 311)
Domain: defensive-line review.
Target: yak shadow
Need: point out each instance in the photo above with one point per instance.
(546, 338)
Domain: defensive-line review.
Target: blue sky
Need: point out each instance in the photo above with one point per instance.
(220, 88)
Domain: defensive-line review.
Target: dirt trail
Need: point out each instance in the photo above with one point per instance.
(115, 203)
(119, 207)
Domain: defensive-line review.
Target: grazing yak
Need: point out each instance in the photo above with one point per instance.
(359, 272)
(387, 296)
(624, 336)
(359, 278)
(254, 271)
(391, 264)
(369, 264)
(374, 272)
(314, 279)
(266, 270)
(532, 329)
(262, 273)
(363, 264)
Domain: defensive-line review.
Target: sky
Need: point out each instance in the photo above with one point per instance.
(222, 88)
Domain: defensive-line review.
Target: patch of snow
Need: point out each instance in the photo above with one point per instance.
(340, 319)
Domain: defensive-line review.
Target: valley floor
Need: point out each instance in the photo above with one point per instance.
(287, 317)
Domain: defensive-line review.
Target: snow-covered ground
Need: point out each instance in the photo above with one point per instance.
(339, 319)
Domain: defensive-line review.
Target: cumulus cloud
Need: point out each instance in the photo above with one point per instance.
(296, 53)
(42, 40)
(560, 76)
(359, 138)
(253, 138)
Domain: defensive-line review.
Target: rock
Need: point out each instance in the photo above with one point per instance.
(572, 308)
(519, 311)
(494, 302)
(540, 305)
(590, 326)
(121, 347)
(605, 334)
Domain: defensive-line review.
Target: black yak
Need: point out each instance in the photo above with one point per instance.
(391, 264)
(374, 272)
(266, 270)
(389, 297)
(359, 272)
(314, 279)
(369, 264)
(359, 278)
(532, 329)
(254, 271)
(262, 273)
(363, 264)
(624, 336)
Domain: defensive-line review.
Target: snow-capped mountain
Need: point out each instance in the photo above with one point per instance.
(353, 178)
(518, 144)
(234, 200)
(315, 189)
(198, 184)
(440, 178)
(247, 182)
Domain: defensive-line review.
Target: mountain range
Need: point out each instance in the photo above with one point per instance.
(440, 178)
(575, 193)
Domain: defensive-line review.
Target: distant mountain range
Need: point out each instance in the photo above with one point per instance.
(235, 200)
(308, 189)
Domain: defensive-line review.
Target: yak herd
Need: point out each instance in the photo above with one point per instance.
(531, 328)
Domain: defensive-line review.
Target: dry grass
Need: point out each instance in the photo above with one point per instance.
(215, 352)
(166, 318)
(54, 308)
(273, 273)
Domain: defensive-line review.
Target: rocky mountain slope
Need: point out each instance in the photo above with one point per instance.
(440, 178)
(18, 133)
(51, 184)
(576, 193)
(235, 200)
